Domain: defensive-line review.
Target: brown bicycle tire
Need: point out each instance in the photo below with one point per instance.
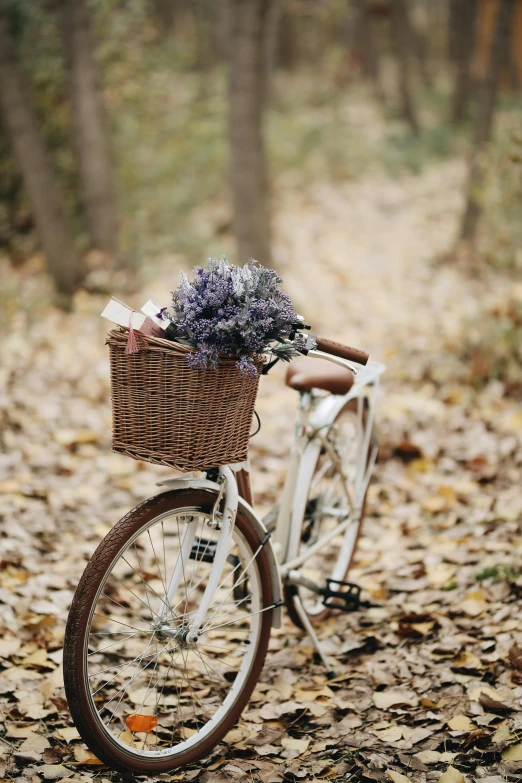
(76, 636)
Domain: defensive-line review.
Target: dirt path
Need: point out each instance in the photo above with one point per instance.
(428, 679)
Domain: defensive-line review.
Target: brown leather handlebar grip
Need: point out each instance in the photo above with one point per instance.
(342, 351)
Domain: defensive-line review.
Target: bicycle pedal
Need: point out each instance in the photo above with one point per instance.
(347, 599)
(203, 550)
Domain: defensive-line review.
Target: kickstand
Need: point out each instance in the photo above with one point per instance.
(307, 625)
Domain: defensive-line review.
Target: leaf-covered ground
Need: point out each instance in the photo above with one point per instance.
(429, 680)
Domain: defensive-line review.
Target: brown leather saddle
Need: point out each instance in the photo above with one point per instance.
(305, 374)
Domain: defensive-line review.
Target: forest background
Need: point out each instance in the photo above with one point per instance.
(372, 152)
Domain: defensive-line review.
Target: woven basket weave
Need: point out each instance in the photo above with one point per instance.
(165, 412)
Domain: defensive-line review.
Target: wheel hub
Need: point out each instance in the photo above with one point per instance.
(182, 635)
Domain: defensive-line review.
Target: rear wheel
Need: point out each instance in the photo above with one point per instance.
(144, 698)
(330, 500)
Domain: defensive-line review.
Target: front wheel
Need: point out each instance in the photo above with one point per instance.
(143, 697)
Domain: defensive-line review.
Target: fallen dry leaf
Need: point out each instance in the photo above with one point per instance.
(502, 733)
(451, 775)
(513, 753)
(393, 697)
(461, 723)
(493, 705)
(84, 756)
(301, 745)
(54, 771)
(515, 656)
(68, 733)
(35, 742)
(428, 756)
(397, 777)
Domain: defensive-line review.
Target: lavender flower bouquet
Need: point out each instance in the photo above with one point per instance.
(228, 309)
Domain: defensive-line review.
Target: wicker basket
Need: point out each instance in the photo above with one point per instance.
(165, 412)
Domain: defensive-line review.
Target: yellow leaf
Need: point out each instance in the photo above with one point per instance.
(236, 735)
(397, 777)
(422, 628)
(473, 607)
(428, 756)
(127, 738)
(452, 775)
(476, 595)
(475, 694)
(385, 699)
(18, 673)
(502, 734)
(300, 745)
(420, 465)
(461, 723)
(390, 734)
(440, 574)
(434, 504)
(35, 742)
(67, 437)
(9, 486)
(317, 709)
(67, 734)
(448, 756)
(467, 660)
(84, 756)
(513, 753)
(448, 493)
(38, 658)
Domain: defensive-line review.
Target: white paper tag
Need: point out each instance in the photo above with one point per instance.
(120, 313)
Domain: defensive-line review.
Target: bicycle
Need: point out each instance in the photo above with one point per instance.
(170, 623)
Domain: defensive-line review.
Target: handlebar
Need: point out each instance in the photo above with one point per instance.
(342, 351)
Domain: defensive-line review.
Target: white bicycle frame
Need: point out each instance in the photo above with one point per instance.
(316, 415)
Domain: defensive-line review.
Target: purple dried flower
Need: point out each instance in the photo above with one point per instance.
(227, 309)
(247, 367)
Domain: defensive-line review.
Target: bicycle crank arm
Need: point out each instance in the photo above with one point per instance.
(296, 578)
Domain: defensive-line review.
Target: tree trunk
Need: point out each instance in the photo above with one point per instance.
(38, 176)
(90, 132)
(247, 91)
(401, 31)
(420, 43)
(364, 29)
(464, 19)
(165, 13)
(287, 40)
(271, 36)
(484, 120)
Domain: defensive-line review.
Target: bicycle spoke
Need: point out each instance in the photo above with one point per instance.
(154, 691)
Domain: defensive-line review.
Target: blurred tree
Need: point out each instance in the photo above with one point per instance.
(463, 19)
(487, 100)
(249, 26)
(420, 44)
(402, 39)
(90, 132)
(286, 55)
(364, 41)
(165, 13)
(38, 176)
(271, 38)
(222, 28)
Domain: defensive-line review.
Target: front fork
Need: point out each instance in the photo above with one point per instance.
(224, 522)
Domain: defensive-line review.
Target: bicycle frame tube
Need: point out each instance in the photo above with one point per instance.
(305, 452)
(282, 530)
(226, 527)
